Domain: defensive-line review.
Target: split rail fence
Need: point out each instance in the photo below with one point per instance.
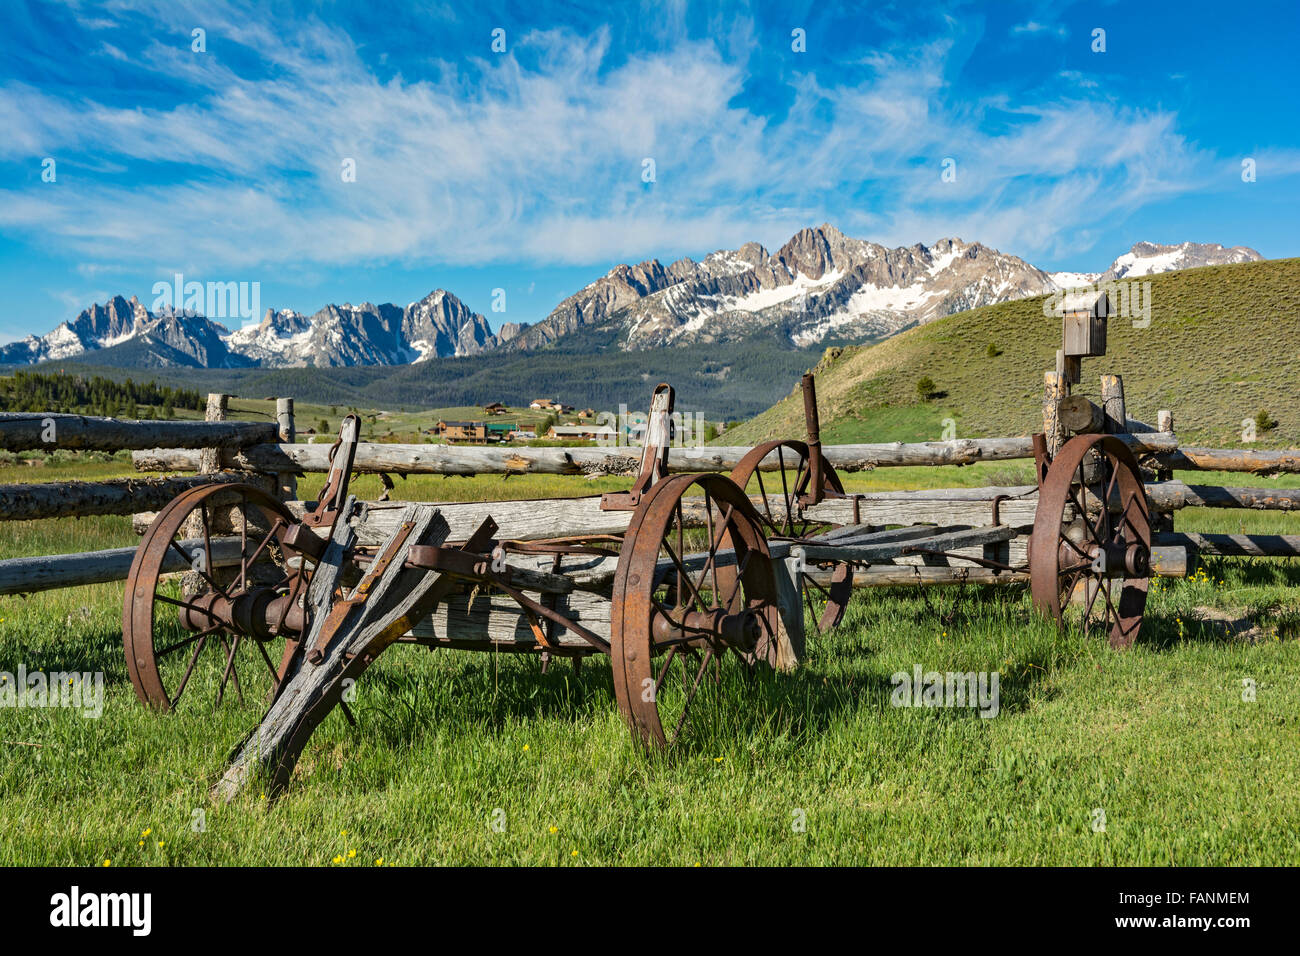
(266, 454)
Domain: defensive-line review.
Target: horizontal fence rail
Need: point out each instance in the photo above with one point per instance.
(27, 431)
(466, 460)
(112, 496)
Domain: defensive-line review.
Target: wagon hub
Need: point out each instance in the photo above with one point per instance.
(714, 626)
(259, 612)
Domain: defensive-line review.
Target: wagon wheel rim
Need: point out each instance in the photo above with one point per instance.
(664, 665)
(166, 662)
(779, 498)
(1063, 552)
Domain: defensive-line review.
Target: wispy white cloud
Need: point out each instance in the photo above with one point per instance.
(1035, 27)
(537, 156)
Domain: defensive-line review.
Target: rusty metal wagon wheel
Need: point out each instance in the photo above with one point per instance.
(779, 501)
(1092, 531)
(184, 645)
(684, 597)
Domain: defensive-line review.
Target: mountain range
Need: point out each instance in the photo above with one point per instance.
(819, 285)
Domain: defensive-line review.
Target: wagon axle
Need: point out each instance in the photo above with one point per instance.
(1112, 559)
(262, 613)
(715, 628)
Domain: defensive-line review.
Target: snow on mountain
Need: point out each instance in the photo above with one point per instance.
(821, 284)
(1148, 258)
(438, 325)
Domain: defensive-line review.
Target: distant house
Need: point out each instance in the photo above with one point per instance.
(496, 408)
(587, 413)
(476, 432)
(500, 431)
(544, 405)
(581, 432)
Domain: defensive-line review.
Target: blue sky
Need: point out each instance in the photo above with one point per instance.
(523, 169)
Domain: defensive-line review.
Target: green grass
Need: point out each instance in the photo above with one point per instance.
(1159, 738)
(1210, 355)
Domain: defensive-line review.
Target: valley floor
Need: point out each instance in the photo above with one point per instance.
(1147, 757)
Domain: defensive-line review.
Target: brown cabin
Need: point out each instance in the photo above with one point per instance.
(476, 432)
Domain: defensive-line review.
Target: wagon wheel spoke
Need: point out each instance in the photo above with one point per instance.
(1094, 588)
(690, 696)
(740, 577)
(1112, 615)
(243, 542)
(180, 688)
(275, 671)
(710, 563)
(767, 506)
(800, 485)
(658, 704)
(684, 577)
(186, 641)
(231, 647)
(785, 493)
(207, 560)
(663, 671)
(167, 636)
(185, 604)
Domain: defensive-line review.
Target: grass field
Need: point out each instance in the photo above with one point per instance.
(465, 758)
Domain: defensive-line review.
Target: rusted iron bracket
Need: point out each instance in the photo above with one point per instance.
(360, 594)
(654, 452)
(342, 455)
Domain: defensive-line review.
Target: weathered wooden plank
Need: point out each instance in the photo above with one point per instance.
(114, 496)
(400, 597)
(526, 520)
(909, 508)
(889, 550)
(496, 619)
(560, 517)
(894, 575)
(791, 639)
(471, 460)
(22, 431)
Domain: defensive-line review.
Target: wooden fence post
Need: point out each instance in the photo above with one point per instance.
(209, 464)
(286, 481)
(1112, 394)
(210, 458)
(1054, 389)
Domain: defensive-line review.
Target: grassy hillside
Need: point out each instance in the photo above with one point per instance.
(1222, 344)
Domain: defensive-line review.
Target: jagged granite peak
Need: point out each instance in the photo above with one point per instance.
(440, 324)
(337, 335)
(820, 283)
